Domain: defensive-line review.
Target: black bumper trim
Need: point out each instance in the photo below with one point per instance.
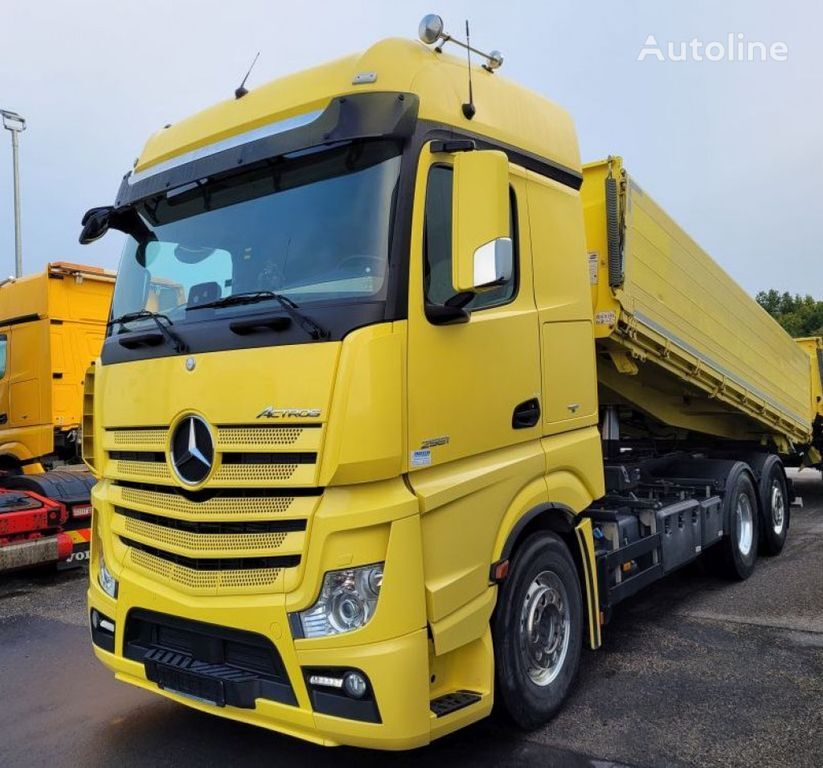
(222, 666)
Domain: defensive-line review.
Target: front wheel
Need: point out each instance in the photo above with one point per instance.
(538, 631)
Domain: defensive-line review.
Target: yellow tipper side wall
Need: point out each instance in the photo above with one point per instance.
(681, 310)
(79, 301)
(812, 346)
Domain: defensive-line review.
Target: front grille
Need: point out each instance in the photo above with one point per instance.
(140, 437)
(243, 532)
(206, 581)
(152, 470)
(218, 664)
(216, 528)
(215, 563)
(259, 435)
(228, 437)
(236, 467)
(265, 536)
(210, 505)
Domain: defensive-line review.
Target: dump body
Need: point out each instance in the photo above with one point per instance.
(51, 328)
(676, 335)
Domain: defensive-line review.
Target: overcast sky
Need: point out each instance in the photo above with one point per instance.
(732, 150)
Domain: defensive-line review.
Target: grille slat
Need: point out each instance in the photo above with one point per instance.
(203, 539)
(228, 437)
(206, 581)
(216, 564)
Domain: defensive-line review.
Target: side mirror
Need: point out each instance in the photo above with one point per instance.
(482, 254)
(96, 222)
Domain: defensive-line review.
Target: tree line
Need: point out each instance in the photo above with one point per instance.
(799, 315)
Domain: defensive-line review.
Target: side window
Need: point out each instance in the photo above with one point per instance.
(4, 346)
(437, 246)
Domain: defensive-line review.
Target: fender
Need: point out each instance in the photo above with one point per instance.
(577, 534)
(17, 454)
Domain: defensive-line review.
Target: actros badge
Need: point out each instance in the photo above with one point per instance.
(288, 413)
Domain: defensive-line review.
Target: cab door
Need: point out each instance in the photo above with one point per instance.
(474, 419)
(474, 386)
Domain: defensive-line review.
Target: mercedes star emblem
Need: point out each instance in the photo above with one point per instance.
(192, 450)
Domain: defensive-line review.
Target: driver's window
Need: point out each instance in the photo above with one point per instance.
(437, 246)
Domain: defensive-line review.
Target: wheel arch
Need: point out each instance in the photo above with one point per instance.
(576, 534)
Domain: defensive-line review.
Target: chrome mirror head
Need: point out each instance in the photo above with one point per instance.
(430, 29)
(495, 60)
(493, 263)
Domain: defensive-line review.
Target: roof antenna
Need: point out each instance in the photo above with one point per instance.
(431, 32)
(468, 107)
(241, 90)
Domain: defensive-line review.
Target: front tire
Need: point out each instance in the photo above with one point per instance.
(538, 631)
(774, 505)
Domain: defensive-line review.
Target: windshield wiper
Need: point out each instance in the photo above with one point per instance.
(144, 314)
(314, 329)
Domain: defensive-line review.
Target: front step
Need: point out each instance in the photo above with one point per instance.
(451, 702)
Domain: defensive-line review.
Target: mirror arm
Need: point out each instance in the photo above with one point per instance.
(127, 220)
(442, 314)
(453, 145)
(460, 300)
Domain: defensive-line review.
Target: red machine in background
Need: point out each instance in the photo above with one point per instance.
(45, 519)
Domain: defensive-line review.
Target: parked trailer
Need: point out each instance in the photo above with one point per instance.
(422, 399)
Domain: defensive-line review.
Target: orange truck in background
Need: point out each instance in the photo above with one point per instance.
(52, 325)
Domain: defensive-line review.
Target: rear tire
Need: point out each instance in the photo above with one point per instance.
(774, 506)
(738, 550)
(538, 631)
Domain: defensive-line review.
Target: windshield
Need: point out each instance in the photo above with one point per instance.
(313, 227)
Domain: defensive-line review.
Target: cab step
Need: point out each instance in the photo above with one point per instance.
(451, 702)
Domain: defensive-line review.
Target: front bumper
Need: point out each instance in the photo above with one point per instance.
(392, 650)
(392, 666)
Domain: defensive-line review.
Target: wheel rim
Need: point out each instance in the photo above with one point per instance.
(545, 627)
(778, 503)
(745, 524)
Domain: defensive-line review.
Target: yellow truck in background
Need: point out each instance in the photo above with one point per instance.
(423, 399)
(52, 326)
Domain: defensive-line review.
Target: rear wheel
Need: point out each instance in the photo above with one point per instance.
(538, 631)
(774, 504)
(739, 548)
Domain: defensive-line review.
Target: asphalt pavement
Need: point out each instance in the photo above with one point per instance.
(693, 672)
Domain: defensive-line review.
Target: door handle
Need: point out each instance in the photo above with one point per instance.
(526, 414)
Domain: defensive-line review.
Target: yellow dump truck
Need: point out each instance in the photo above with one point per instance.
(399, 401)
(52, 326)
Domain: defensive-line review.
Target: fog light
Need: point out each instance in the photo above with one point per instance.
(324, 681)
(101, 622)
(102, 631)
(107, 582)
(355, 685)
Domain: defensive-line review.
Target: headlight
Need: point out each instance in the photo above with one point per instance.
(347, 601)
(107, 582)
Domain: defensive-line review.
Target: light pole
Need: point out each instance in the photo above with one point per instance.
(15, 124)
